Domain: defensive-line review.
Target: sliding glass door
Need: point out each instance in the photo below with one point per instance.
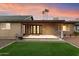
(35, 29)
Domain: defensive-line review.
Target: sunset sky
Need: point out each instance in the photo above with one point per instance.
(61, 9)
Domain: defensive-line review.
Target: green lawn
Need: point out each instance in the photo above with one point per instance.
(40, 49)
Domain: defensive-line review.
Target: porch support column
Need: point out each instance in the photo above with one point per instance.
(62, 35)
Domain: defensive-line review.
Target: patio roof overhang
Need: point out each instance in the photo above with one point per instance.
(45, 21)
(41, 21)
(49, 21)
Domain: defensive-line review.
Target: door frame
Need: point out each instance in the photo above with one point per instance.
(28, 29)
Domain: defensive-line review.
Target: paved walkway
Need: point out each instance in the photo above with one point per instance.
(74, 40)
(5, 42)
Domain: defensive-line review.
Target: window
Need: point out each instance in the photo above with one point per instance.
(77, 27)
(66, 27)
(5, 26)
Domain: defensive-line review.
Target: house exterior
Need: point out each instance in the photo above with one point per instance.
(12, 26)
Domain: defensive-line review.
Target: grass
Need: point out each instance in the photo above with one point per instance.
(40, 49)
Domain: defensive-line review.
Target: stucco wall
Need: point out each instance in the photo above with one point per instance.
(49, 29)
(10, 34)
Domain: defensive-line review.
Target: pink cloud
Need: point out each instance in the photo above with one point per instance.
(36, 9)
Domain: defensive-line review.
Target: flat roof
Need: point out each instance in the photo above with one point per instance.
(29, 19)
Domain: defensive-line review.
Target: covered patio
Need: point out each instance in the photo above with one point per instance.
(46, 29)
(40, 29)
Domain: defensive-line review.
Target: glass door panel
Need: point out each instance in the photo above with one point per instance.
(34, 29)
(38, 29)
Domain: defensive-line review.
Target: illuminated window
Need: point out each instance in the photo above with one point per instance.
(5, 26)
(66, 27)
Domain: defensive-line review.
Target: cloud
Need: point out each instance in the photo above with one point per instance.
(35, 9)
(20, 9)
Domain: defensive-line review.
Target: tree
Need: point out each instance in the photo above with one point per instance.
(46, 10)
(45, 13)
